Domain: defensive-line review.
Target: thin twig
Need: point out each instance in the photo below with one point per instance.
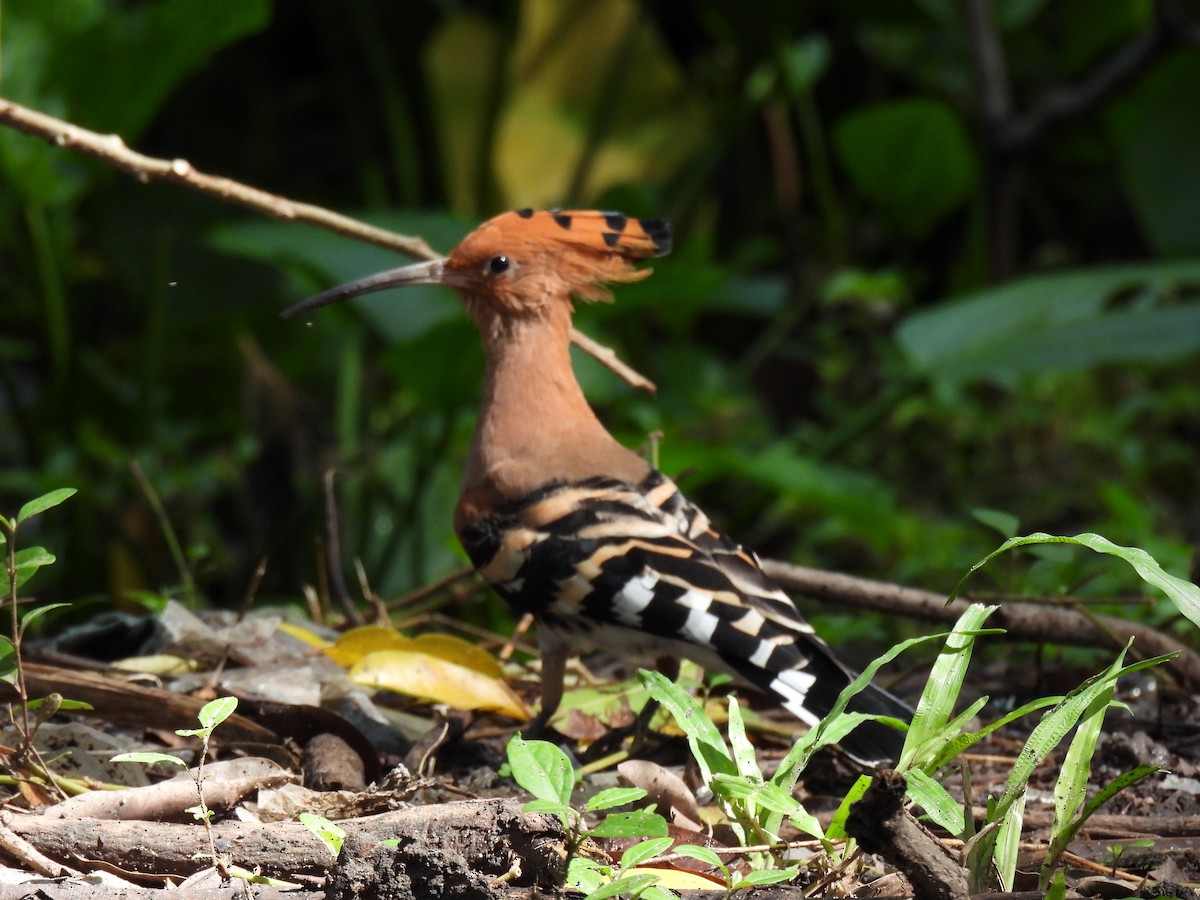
(110, 148)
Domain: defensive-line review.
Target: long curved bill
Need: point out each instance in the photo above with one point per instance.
(430, 272)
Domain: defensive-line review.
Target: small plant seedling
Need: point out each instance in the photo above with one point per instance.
(210, 716)
(544, 770)
(19, 567)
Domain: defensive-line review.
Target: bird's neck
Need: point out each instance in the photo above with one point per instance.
(535, 425)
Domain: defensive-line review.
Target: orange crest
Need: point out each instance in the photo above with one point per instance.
(520, 260)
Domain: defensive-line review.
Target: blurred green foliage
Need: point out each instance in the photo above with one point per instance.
(884, 311)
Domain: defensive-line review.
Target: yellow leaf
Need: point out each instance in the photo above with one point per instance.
(441, 681)
(679, 879)
(456, 650)
(300, 633)
(358, 642)
(157, 664)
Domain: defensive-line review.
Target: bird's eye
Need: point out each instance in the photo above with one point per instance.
(498, 264)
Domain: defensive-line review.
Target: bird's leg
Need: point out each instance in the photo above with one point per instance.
(554, 668)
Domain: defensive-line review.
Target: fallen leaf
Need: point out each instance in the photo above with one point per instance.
(428, 677)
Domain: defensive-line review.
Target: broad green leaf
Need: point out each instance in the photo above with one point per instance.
(216, 711)
(149, 758)
(43, 503)
(640, 823)
(1058, 322)
(639, 853)
(704, 854)
(617, 796)
(330, 834)
(1153, 132)
(25, 563)
(542, 769)
(586, 874)
(910, 158)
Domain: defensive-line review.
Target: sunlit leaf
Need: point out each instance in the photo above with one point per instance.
(431, 678)
(330, 834)
(43, 503)
(542, 769)
(640, 823)
(353, 645)
(148, 758)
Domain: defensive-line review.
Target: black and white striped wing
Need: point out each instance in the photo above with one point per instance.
(639, 571)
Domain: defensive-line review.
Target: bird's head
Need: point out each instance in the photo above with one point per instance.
(520, 263)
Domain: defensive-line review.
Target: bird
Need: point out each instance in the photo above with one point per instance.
(566, 523)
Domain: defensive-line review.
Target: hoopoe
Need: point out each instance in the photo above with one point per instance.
(566, 523)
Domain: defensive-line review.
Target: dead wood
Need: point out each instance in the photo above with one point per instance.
(121, 701)
(1028, 621)
(881, 824)
(483, 832)
(226, 784)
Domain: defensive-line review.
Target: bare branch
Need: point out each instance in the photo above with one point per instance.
(110, 148)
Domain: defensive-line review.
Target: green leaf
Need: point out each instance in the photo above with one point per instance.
(1059, 322)
(8, 659)
(743, 750)
(910, 158)
(944, 684)
(837, 825)
(43, 503)
(331, 835)
(149, 759)
(617, 796)
(630, 884)
(585, 874)
(1184, 594)
(766, 876)
(1004, 522)
(37, 612)
(542, 769)
(639, 853)
(936, 801)
(1062, 837)
(707, 746)
(640, 823)
(216, 711)
(1153, 132)
(25, 563)
(704, 854)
